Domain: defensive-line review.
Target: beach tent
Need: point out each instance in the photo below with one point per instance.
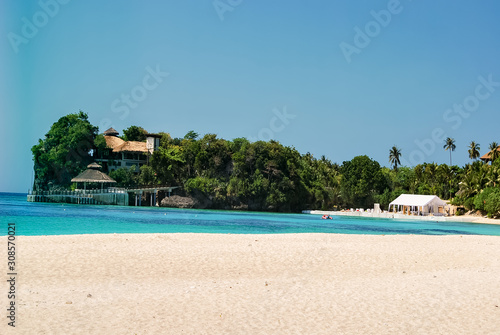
(417, 204)
(92, 175)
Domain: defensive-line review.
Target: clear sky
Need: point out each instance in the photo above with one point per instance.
(335, 78)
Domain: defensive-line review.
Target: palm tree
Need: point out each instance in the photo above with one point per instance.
(494, 153)
(474, 150)
(394, 155)
(450, 145)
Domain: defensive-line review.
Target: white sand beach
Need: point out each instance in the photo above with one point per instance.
(255, 284)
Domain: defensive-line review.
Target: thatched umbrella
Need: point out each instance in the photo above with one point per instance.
(92, 175)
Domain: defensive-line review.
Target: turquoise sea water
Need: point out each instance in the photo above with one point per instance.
(64, 219)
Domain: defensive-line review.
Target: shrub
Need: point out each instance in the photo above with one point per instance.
(488, 201)
(124, 177)
(469, 203)
(492, 205)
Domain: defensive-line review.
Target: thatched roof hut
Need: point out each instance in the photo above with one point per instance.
(93, 175)
(111, 132)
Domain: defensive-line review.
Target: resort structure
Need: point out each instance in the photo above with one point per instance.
(125, 154)
(487, 157)
(93, 175)
(117, 154)
(417, 204)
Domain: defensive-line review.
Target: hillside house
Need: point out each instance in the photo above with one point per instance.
(124, 154)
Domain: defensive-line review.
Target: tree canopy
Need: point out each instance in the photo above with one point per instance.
(362, 179)
(494, 153)
(474, 149)
(134, 133)
(64, 152)
(267, 175)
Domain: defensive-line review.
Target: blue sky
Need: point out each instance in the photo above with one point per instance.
(234, 66)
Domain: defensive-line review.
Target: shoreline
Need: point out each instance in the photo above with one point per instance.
(242, 284)
(398, 216)
(382, 215)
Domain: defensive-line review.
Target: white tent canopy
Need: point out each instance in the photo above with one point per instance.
(417, 204)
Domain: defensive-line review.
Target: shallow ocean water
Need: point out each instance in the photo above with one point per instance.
(63, 219)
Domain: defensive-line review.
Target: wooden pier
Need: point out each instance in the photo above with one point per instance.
(110, 196)
(153, 193)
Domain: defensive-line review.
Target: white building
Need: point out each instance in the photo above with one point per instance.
(418, 204)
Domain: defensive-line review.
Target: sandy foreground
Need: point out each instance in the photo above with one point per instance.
(255, 284)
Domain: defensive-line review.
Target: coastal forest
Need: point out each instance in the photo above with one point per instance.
(266, 176)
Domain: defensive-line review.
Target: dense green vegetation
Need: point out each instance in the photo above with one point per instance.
(260, 175)
(65, 151)
(267, 175)
(134, 133)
